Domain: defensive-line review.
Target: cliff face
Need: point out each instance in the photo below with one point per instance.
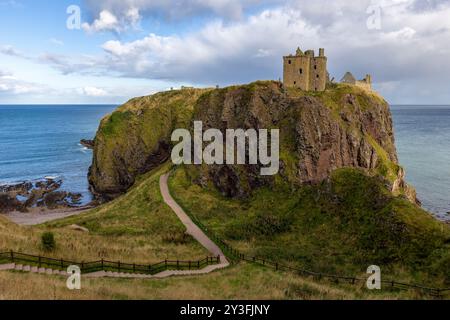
(319, 132)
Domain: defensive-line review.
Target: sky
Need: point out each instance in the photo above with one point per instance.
(91, 51)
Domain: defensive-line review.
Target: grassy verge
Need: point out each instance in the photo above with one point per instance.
(137, 227)
(242, 281)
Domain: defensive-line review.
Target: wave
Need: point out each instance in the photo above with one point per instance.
(82, 148)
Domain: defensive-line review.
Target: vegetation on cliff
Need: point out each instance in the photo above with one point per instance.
(339, 226)
(136, 139)
(343, 126)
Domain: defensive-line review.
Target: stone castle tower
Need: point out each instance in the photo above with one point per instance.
(306, 71)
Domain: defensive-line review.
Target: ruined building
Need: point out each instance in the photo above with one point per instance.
(365, 83)
(306, 71)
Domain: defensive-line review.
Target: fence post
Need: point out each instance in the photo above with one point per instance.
(165, 264)
(118, 264)
(39, 259)
(103, 268)
(134, 267)
(150, 268)
(12, 256)
(178, 264)
(82, 265)
(62, 264)
(438, 293)
(189, 265)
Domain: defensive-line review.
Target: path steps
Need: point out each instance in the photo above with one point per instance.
(109, 274)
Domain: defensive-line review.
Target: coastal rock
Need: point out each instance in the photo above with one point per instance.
(88, 143)
(8, 204)
(43, 193)
(343, 126)
(19, 188)
(55, 199)
(400, 186)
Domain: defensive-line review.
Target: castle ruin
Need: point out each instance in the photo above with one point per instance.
(365, 83)
(306, 71)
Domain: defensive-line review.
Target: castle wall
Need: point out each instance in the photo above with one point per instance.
(306, 72)
(318, 79)
(297, 70)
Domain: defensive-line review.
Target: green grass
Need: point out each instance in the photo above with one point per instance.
(336, 227)
(138, 227)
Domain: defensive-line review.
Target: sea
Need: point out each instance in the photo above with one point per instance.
(422, 136)
(38, 141)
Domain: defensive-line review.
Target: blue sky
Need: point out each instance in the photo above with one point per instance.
(127, 48)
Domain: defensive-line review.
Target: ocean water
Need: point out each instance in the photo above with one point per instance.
(44, 141)
(423, 144)
(41, 141)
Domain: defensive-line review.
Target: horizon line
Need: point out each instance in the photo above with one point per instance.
(109, 104)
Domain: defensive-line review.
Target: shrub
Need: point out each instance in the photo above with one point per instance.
(48, 241)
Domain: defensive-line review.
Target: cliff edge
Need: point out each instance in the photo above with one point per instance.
(343, 126)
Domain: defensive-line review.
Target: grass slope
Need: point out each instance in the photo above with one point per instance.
(137, 227)
(340, 226)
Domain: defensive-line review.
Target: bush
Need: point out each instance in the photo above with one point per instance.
(48, 241)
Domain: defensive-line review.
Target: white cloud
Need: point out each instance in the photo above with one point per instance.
(10, 85)
(11, 51)
(128, 13)
(56, 42)
(234, 47)
(106, 22)
(92, 92)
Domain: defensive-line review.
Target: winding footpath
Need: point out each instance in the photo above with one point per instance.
(191, 228)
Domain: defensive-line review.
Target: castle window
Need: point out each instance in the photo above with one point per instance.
(315, 67)
(289, 61)
(300, 71)
(317, 76)
(295, 82)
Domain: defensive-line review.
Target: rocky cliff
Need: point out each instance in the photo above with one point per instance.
(343, 126)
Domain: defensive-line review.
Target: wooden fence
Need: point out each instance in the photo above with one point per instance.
(105, 265)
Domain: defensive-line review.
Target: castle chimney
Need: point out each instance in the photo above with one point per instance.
(321, 52)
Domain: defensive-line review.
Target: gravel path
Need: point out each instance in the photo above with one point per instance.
(191, 227)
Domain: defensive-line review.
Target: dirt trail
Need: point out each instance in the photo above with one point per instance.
(191, 227)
